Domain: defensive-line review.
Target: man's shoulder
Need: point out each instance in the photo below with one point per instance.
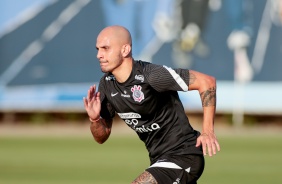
(141, 63)
(146, 66)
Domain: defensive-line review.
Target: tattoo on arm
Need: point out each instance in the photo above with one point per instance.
(145, 178)
(208, 97)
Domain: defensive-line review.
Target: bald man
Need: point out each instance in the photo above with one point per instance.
(145, 96)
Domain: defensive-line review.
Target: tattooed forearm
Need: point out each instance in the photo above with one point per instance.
(145, 178)
(208, 97)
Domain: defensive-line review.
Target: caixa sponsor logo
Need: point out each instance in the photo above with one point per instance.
(149, 128)
(141, 129)
(131, 119)
(129, 115)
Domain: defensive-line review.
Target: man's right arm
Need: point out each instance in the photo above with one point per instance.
(101, 129)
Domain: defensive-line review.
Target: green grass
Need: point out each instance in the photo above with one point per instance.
(246, 160)
(79, 160)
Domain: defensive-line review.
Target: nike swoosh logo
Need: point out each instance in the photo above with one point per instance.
(114, 94)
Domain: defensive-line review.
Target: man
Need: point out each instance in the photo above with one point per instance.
(145, 96)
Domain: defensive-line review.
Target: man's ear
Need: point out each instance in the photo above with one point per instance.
(126, 50)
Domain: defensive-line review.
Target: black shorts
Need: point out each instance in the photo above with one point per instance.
(180, 169)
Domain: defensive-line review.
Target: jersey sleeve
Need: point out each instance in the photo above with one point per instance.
(107, 111)
(163, 78)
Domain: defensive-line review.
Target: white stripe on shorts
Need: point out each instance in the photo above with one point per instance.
(170, 165)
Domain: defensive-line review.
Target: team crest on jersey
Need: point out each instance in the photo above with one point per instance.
(137, 94)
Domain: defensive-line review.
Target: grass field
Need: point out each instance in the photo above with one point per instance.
(246, 159)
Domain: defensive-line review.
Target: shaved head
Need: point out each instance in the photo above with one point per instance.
(117, 34)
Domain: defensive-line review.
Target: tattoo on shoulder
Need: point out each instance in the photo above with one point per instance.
(145, 178)
(208, 97)
(192, 78)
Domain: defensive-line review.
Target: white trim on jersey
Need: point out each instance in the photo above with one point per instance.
(177, 78)
(170, 165)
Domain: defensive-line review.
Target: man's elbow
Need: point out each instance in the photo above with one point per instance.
(209, 81)
(100, 141)
(212, 81)
(101, 138)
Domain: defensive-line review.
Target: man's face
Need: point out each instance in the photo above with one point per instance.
(109, 52)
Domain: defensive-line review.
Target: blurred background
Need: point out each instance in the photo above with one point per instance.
(48, 61)
(48, 56)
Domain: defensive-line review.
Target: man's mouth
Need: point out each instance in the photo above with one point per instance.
(101, 62)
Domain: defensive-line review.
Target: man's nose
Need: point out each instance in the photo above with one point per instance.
(99, 55)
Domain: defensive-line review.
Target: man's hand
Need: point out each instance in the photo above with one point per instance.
(92, 103)
(209, 143)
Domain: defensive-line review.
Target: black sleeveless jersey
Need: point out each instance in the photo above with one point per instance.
(148, 102)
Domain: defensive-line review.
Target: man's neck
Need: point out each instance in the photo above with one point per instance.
(123, 72)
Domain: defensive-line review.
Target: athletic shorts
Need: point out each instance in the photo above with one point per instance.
(180, 169)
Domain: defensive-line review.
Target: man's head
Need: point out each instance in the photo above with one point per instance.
(114, 46)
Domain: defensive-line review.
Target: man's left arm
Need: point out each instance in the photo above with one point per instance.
(206, 85)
